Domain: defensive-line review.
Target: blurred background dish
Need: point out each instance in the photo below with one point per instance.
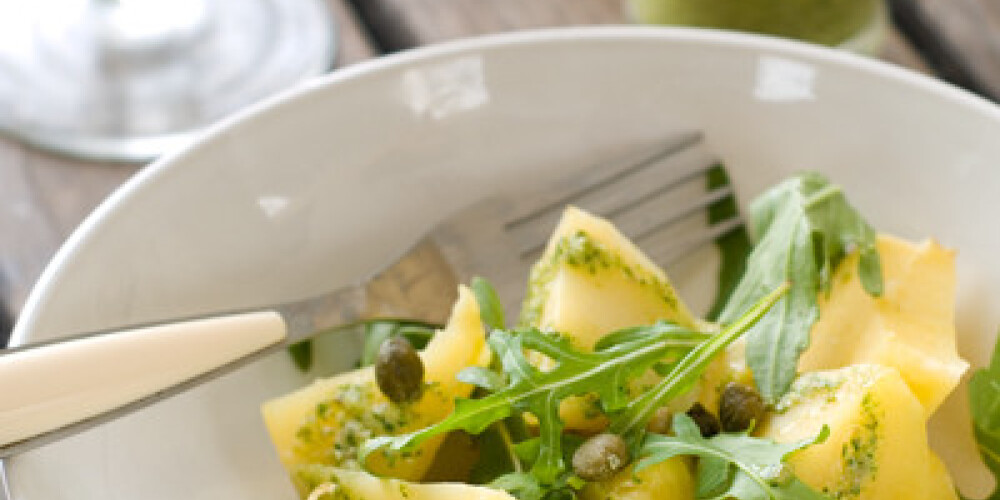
(317, 187)
(128, 80)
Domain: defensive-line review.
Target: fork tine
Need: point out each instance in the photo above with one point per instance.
(653, 215)
(668, 250)
(555, 198)
(617, 193)
(666, 210)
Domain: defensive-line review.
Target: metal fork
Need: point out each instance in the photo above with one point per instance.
(657, 198)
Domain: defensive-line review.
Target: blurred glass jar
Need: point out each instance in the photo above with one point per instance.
(856, 25)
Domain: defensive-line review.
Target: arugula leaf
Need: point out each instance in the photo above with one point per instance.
(984, 403)
(631, 422)
(482, 377)
(732, 465)
(496, 455)
(606, 373)
(522, 485)
(528, 449)
(734, 246)
(490, 308)
(805, 227)
(302, 354)
(525, 486)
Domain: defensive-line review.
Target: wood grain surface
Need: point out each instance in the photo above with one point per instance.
(972, 29)
(43, 197)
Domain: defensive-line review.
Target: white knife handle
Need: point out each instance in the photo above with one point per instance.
(51, 386)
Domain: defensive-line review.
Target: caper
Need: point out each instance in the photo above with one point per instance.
(740, 407)
(707, 423)
(399, 371)
(661, 421)
(600, 457)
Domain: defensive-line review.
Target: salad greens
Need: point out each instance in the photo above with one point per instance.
(732, 465)
(804, 227)
(490, 309)
(734, 246)
(632, 420)
(984, 403)
(529, 389)
(768, 290)
(606, 372)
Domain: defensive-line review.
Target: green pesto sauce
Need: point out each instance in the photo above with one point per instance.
(810, 386)
(828, 22)
(309, 477)
(333, 431)
(859, 455)
(580, 251)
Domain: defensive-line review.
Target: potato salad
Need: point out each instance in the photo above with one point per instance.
(813, 378)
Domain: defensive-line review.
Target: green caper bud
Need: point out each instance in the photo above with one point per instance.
(740, 407)
(399, 371)
(707, 423)
(661, 421)
(600, 457)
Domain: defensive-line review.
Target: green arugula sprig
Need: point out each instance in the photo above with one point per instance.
(605, 372)
(984, 403)
(631, 422)
(490, 307)
(528, 389)
(733, 465)
(526, 486)
(734, 246)
(804, 227)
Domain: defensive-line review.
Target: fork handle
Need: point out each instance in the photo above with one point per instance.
(51, 386)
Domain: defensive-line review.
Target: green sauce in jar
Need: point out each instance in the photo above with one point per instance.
(828, 22)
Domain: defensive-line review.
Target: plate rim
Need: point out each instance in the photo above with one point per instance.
(35, 302)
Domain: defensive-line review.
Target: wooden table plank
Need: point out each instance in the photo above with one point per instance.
(972, 28)
(69, 189)
(28, 233)
(44, 196)
(897, 49)
(403, 24)
(354, 43)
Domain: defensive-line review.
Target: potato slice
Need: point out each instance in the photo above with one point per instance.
(877, 447)
(327, 483)
(325, 422)
(911, 327)
(671, 479)
(591, 281)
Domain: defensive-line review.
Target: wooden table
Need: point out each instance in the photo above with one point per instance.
(43, 197)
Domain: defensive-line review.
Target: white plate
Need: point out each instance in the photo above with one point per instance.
(318, 186)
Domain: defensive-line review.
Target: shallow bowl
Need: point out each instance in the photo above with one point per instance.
(320, 186)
